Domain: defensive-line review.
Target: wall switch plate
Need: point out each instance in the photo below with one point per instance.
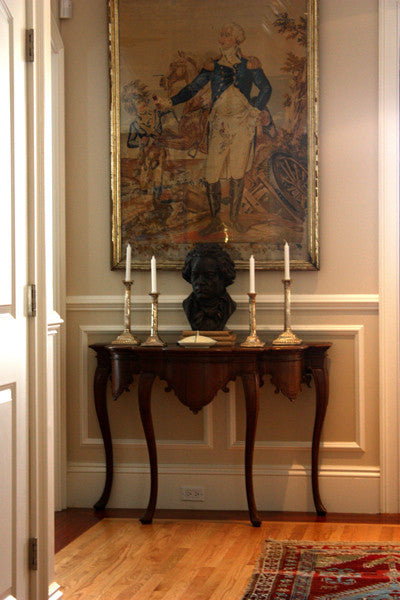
(193, 494)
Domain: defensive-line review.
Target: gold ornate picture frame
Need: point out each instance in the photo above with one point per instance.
(214, 130)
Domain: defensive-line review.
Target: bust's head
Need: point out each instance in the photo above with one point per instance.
(210, 269)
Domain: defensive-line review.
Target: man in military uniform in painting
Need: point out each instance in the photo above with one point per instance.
(233, 119)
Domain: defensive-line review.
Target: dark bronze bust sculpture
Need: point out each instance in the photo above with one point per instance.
(210, 269)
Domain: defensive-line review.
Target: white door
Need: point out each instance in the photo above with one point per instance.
(14, 481)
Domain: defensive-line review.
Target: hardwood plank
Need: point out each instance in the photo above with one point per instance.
(188, 559)
(72, 522)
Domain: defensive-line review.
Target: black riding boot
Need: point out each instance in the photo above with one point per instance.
(213, 191)
(236, 187)
(157, 191)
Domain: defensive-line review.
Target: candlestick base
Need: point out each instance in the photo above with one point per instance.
(127, 339)
(154, 340)
(287, 338)
(252, 341)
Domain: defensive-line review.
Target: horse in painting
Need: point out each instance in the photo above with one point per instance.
(191, 134)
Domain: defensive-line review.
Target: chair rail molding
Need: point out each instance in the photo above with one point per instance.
(169, 302)
(389, 253)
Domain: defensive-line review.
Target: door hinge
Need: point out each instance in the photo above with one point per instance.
(31, 300)
(33, 546)
(30, 45)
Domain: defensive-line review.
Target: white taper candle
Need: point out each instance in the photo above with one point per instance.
(128, 263)
(153, 275)
(287, 261)
(252, 289)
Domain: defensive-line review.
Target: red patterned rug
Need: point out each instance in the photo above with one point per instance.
(288, 570)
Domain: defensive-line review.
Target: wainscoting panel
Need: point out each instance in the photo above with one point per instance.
(126, 418)
(353, 389)
(7, 488)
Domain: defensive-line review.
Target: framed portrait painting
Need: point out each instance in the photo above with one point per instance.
(214, 130)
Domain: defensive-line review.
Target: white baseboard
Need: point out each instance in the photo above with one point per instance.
(343, 489)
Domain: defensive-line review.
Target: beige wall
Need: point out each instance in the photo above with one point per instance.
(338, 303)
(54, 8)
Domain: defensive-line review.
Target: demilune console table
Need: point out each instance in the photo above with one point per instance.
(196, 375)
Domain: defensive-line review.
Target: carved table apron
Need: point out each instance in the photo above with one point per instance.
(196, 375)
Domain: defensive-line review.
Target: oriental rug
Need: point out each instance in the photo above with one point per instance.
(290, 570)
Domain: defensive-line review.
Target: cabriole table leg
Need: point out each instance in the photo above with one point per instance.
(144, 392)
(101, 377)
(320, 376)
(251, 392)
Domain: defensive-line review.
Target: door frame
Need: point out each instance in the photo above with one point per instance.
(59, 262)
(389, 299)
(40, 401)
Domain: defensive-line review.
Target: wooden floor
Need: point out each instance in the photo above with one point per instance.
(184, 556)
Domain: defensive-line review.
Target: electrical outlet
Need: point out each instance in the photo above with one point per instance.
(194, 494)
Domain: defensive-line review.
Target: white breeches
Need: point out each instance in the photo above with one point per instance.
(232, 126)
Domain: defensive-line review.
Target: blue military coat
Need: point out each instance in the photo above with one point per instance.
(221, 77)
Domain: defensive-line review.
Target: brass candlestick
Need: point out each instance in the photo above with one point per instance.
(252, 340)
(153, 339)
(126, 336)
(287, 337)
